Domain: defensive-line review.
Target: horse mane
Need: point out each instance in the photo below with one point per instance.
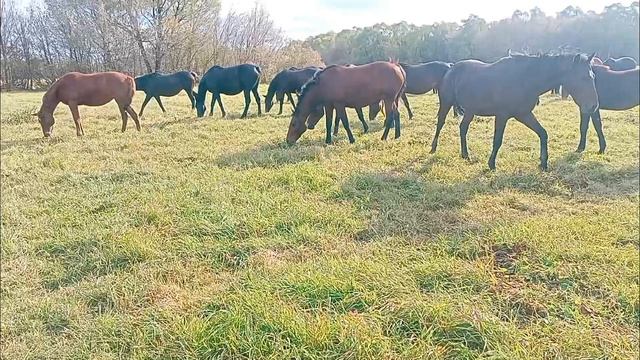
(304, 90)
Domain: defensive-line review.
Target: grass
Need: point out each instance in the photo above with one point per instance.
(211, 239)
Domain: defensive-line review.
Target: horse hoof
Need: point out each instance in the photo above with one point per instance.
(544, 167)
(601, 152)
(432, 151)
(465, 157)
(579, 150)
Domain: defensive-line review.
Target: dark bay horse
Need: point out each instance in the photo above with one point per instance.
(229, 81)
(510, 88)
(157, 84)
(287, 82)
(337, 87)
(74, 89)
(621, 64)
(617, 90)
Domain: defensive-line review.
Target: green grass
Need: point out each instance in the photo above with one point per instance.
(212, 239)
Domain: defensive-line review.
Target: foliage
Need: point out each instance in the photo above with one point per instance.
(614, 32)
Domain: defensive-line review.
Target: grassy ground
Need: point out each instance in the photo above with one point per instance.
(211, 239)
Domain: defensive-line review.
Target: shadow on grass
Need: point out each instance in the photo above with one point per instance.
(402, 203)
(269, 156)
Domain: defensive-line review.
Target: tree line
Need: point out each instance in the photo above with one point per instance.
(51, 37)
(613, 32)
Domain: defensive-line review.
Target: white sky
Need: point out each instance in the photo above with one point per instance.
(300, 19)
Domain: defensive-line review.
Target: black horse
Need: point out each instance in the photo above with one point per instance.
(621, 64)
(156, 84)
(617, 90)
(287, 82)
(229, 81)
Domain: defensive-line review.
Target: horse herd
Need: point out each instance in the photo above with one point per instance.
(505, 89)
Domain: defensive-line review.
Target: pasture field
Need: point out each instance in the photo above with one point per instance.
(201, 239)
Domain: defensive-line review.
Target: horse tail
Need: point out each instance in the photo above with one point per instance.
(132, 85)
(403, 87)
(258, 69)
(195, 76)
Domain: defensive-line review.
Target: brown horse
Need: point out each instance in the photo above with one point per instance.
(617, 90)
(97, 89)
(510, 88)
(337, 87)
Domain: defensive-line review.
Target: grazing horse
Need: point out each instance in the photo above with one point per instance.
(621, 64)
(337, 87)
(156, 84)
(229, 81)
(422, 78)
(617, 90)
(97, 89)
(287, 81)
(510, 88)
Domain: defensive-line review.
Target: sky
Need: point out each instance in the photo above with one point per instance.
(300, 19)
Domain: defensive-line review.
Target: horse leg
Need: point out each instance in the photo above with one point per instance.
(213, 103)
(397, 123)
(247, 101)
(219, 99)
(597, 124)
(144, 103)
(336, 126)
(442, 116)
(388, 105)
(160, 103)
(134, 116)
(293, 103)
(406, 104)
(464, 127)
(584, 126)
(530, 121)
(76, 118)
(191, 98)
(498, 134)
(257, 97)
(328, 112)
(123, 113)
(281, 102)
(365, 126)
(341, 114)
(374, 109)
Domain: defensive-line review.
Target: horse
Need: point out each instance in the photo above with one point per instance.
(96, 89)
(287, 81)
(617, 90)
(374, 109)
(337, 87)
(510, 87)
(422, 78)
(621, 64)
(156, 84)
(229, 81)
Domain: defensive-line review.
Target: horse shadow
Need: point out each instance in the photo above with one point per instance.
(407, 203)
(272, 155)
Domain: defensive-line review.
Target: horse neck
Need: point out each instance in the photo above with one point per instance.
(546, 74)
(50, 100)
(272, 88)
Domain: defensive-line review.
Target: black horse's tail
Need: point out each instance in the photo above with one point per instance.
(195, 76)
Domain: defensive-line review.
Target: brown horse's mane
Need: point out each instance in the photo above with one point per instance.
(304, 90)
